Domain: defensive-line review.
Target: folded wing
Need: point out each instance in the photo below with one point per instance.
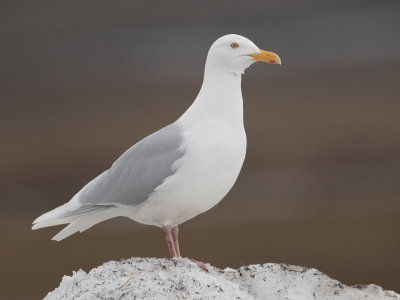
(129, 181)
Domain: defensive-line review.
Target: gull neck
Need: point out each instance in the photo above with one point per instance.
(220, 98)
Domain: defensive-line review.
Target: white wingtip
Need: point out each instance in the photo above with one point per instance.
(52, 218)
(35, 226)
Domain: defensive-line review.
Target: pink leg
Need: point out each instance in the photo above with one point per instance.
(171, 235)
(170, 242)
(175, 231)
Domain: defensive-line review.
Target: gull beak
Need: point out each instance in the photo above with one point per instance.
(266, 56)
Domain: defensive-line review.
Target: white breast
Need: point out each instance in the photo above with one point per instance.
(214, 155)
(215, 148)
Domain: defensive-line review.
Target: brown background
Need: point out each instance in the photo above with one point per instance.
(81, 81)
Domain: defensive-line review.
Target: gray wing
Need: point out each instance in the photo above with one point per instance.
(138, 171)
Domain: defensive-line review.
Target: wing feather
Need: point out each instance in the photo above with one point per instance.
(138, 171)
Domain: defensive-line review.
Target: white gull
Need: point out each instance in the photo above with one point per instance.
(183, 169)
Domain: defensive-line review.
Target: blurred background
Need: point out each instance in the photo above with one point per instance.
(82, 81)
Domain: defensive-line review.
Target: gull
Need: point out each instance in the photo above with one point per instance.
(181, 170)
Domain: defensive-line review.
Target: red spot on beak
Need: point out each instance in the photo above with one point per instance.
(272, 61)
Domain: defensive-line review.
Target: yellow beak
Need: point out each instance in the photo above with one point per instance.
(266, 56)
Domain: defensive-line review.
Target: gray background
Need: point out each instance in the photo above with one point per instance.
(81, 81)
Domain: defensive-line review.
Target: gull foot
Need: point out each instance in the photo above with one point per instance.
(200, 264)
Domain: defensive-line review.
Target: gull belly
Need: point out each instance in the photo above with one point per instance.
(214, 155)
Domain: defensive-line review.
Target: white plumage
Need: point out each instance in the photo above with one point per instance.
(185, 168)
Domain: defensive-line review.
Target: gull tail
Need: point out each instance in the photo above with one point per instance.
(79, 218)
(77, 225)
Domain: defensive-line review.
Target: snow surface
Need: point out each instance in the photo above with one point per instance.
(152, 278)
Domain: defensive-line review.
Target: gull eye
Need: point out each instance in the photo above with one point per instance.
(234, 45)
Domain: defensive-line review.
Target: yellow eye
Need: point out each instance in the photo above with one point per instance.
(234, 45)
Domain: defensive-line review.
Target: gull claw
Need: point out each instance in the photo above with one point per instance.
(200, 264)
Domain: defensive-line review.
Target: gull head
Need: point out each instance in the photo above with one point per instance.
(235, 53)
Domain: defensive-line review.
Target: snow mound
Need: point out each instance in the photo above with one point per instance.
(152, 278)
